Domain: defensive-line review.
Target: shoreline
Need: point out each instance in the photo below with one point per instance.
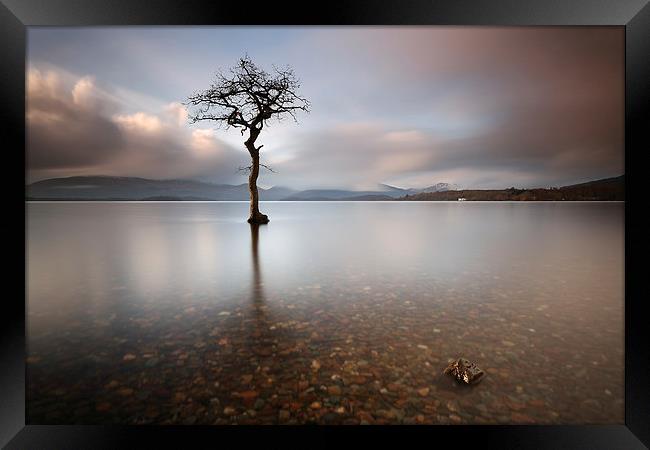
(324, 201)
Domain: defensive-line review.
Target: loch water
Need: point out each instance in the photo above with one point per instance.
(334, 312)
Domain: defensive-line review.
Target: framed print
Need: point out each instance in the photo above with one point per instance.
(387, 220)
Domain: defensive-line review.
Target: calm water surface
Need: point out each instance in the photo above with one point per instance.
(332, 313)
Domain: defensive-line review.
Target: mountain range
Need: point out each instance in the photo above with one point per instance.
(132, 188)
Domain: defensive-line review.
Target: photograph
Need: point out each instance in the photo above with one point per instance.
(325, 225)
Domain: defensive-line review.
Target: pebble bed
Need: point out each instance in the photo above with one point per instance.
(374, 359)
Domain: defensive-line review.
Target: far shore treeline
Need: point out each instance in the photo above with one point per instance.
(610, 189)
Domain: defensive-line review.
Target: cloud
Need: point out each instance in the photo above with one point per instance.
(178, 112)
(139, 123)
(63, 128)
(481, 107)
(162, 147)
(538, 146)
(356, 155)
(476, 106)
(76, 127)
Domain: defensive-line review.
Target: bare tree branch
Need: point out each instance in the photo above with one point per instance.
(248, 98)
(249, 168)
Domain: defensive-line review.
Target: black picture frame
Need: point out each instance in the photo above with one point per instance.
(17, 15)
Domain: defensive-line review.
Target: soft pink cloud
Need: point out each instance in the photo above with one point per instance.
(76, 127)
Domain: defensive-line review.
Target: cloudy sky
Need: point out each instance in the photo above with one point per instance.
(408, 106)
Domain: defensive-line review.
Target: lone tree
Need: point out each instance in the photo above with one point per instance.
(247, 98)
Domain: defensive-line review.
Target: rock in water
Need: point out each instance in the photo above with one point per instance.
(465, 371)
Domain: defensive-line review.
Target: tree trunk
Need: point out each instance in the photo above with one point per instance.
(255, 215)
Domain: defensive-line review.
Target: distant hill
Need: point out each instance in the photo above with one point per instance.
(608, 189)
(131, 188)
(438, 187)
(325, 196)
(382, 192)
(441, 187)
(338, 194)
(274, 193)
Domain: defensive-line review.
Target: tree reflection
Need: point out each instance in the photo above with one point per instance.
(262, 341)
(257, 286)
